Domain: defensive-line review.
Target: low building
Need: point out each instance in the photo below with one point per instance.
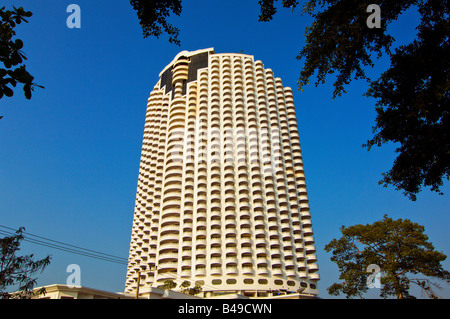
(58, 291)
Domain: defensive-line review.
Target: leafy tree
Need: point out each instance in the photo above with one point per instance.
(185, 286)
(152, 17)
(413, 98)
(412, 95)
(17, 270)
(196, 289)
(11, 54)
(401, 250)
(413, 106)
(187, 289)
(169, 284)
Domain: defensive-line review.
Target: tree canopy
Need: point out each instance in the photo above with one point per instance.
(153, 17)
(413, 100)
(11, 54)
(185, 287)
(399, 248)
(18, 270)
(413, 105)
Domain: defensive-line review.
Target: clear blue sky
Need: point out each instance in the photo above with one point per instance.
(70, 156)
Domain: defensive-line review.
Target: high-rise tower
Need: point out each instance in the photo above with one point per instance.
(221, 196)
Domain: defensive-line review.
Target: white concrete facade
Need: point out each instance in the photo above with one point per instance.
(221, 195)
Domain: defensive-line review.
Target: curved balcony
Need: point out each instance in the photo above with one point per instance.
(231, 260)
(216, 225)
(216, 260)
(177, 104)
(169, 229)
(216, 242)
(177, 125)
(171, 205)
(312, 268)
(311, 258)
(185, 273)
(180, 71)
(170, 220)
(201, 233)
(170, 266)
(274, 245)
(201, 272)
(262, 263)
(277, 272)
(314, 276)
(291, 273)
(231, 249)
(246, 232)
(231, 270)
(307, 231)
(230, 227)
(216, 271)
(176, 119)
(176, 165)
(169, 237)
(308, 240)
(247, 270)
(167, 257)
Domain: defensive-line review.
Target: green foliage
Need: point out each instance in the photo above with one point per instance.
(169, 284)
(184, 285)
(17, 270)
(412, 95)
(339, 41)
(268, 8)
(187, 289)
(413, 106)
(153, 17)
(399, 247)
(11, 54)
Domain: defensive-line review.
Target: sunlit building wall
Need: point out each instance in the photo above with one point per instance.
(221, 195)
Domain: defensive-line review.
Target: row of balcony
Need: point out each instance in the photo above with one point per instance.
(234, 270)
(170, 249)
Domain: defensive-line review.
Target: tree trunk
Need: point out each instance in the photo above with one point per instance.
(397, 287)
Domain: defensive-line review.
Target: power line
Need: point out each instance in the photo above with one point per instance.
(58, 242)
(68, 247)
(81, 253)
